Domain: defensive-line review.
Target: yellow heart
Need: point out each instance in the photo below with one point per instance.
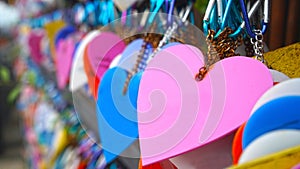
(52, 29)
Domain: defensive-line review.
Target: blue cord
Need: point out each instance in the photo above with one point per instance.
(247, 22)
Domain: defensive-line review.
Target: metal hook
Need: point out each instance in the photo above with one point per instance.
(246, 18)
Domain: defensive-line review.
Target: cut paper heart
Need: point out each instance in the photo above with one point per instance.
(100, 53)
(286, 88)
(116, 113)
(279, 139)
(34, 43)
(180, 114)
(93, 80)
(64, 55)
(129, 59)
(52, 28)
(102, 50)
(280, 113)
(78, 76)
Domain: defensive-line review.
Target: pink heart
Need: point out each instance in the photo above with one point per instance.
(64, 54)
(177, 114)
(34, 42)
(102, 50)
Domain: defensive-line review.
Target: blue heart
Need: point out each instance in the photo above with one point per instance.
(116, 113)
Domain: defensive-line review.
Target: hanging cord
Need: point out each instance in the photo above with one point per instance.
(247, 22)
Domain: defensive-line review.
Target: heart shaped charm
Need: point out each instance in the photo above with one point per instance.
(180, 114)
(52, 29)
(116, 113)
(34, 43)
(100, 52)
(64, 55)
(78, 77)
(93, 80)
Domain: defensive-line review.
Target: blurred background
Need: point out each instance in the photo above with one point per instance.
(283, 30)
